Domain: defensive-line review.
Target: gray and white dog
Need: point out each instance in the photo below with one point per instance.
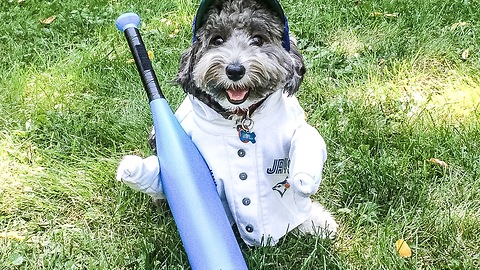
(238, 57)
(240, 75)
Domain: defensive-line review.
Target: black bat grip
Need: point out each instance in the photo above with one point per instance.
(144, 65)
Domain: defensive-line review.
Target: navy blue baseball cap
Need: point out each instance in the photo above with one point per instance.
(273, 4)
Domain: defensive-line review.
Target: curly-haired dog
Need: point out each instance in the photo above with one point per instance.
(240, 74)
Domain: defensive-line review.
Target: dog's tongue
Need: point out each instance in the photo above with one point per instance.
(237, 95)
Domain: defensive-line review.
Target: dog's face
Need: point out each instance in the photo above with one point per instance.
(237, 59)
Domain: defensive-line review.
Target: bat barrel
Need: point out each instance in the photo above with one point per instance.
(187, 181)
(192, 196)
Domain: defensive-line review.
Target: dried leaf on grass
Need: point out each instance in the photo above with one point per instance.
(458, 24)
(438, 162)
(48, 20)
(403, 249)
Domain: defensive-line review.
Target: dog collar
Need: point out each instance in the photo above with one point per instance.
(274, 4)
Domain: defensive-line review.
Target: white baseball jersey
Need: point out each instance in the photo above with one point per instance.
(256, 179)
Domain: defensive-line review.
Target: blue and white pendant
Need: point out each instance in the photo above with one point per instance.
(244, 132)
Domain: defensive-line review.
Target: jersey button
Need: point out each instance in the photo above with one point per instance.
(246, 201)
(249, 228)
(241, 153)
(243, 176)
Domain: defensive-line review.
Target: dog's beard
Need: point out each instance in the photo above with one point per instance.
(264, 73)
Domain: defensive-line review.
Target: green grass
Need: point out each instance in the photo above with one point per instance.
(386, 86)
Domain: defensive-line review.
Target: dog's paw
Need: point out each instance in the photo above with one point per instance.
(141, 174)
(304, 184)
(128, 168)
(320, 222)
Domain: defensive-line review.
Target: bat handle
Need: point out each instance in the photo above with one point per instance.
(128, 23)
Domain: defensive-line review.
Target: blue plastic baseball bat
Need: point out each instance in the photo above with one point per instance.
(188, 184)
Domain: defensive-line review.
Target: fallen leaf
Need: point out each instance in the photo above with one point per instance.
(438, 162)
(11, 235)
(376, 14)
(48, 20)
(458, 24)
(150, 55)
(403, 249)
(465, 54)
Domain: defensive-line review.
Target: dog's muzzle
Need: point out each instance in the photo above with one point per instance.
(236, 95)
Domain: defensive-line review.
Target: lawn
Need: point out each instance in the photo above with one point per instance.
(392, 85)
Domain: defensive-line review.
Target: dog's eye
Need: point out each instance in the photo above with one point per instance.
(257, 41)
(217, 41)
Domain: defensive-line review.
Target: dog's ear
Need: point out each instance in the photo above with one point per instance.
(297, 71)
(185, 70)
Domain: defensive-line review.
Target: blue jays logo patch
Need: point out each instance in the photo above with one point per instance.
(282, 187)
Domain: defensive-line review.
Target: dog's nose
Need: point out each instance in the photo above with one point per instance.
(235, 71)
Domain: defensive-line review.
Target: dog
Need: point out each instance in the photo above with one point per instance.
(240, 75)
